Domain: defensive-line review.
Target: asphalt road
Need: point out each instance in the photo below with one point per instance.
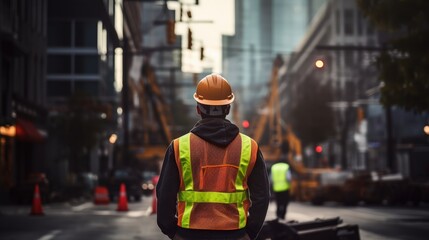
(85, 221)
(89, 221)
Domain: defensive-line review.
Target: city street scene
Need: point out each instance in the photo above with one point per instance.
(214, 119)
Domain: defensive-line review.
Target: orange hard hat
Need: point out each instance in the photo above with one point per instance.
(214, 90)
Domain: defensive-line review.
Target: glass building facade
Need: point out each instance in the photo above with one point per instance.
(263, 30)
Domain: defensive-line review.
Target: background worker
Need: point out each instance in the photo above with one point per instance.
(281, 177)
(213, 183)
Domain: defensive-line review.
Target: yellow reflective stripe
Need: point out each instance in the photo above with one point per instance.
(212, 197)
(246, 148)
(186, 218)
(185, 161)
(241, 215)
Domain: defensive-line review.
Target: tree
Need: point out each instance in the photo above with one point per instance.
(311, 117)
(78, 127)
(403, 62)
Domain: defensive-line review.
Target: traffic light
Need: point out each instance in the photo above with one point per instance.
(318, 149)
(202, 53)
(171, 36)
(245, 124)
(189, 39)
(181, 12)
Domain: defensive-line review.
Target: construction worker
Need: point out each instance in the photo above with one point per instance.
(281, 178)
(213, 183)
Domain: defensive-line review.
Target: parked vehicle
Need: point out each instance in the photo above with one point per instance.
(132, 180)
(148, 185)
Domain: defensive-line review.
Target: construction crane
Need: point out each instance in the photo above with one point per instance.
(270, 113)
(280, 141)
(155, 112)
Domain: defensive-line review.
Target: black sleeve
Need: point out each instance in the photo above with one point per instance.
(259, 190)
(166, 193)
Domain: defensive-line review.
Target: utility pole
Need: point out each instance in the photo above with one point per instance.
(125, 108)
(390, 146)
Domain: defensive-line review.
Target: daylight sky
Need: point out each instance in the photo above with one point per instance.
(221, 12)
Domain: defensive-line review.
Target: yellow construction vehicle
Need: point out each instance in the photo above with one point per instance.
(270, 112)
(155, 114)
(318, 185)
(308, 184)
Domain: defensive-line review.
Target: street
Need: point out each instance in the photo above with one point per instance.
(89, 221)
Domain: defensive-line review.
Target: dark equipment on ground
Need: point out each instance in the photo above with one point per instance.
(331, 228)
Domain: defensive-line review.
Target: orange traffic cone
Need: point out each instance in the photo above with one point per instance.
(122, 201)
(154, 181)
(37, 202)
(153, 202)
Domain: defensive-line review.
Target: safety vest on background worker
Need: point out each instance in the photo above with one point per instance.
(213, 182)
(279, 177)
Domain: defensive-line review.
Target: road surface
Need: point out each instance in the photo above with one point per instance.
(89, 221)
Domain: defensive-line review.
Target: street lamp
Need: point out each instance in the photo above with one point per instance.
(426, 129)
(113, 138)
(319, 63)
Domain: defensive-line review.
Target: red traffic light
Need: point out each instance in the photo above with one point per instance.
(319, 149)
(171, 35)
(245, 124)
(202, 53)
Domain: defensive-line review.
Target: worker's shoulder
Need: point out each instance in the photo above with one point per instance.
(251, 139)
(183, 136)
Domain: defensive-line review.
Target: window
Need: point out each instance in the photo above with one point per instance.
(348, 57)
(337, 22)
(59, 64)
(88, 86)
(359, 24)
(370, 28)
(86, 64)
(58, 88)
(348, 22)
(59, 33)
(86, 34)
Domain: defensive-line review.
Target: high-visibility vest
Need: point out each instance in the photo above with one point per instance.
(278, 176)
(213, 182)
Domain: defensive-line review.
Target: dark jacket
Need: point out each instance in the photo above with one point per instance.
(220, 132)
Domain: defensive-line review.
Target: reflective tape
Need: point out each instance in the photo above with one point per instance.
(212, 197)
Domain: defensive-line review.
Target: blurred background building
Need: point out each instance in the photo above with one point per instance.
(89, 54)
(23, 112)
(338, 51)
(63, 65)
(263, 29)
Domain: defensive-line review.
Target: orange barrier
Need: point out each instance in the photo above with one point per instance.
(154, 202)
(122, 201)
(37, 202)
(101, 195)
